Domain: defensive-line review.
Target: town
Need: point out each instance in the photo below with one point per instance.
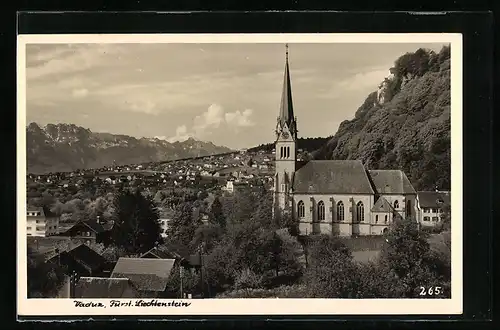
(267, 222)
(61, 228)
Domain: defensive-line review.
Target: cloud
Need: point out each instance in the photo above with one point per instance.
(240, 119)
(181, 134)
(145, 106)
(80, 92)
(50, 60)
(364, 80)
(362, 83)
(212, 118)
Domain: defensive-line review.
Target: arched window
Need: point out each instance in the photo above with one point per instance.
(408, 208)
(301, 210)
(340, 211)
(386, 219)
(281, 152)
(360, 214)
(321, 211)
(287, 152)
(376, 219)
(396, 204)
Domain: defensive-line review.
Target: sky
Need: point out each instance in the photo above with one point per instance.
(225, 93)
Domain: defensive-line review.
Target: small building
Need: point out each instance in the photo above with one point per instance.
(40, 221)
(149, 276)
(90, 230)
(82, 259)
(102, 287)
(164, 226)
(233, 186)
(430, 206)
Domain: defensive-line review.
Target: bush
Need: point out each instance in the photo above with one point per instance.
(285, 291)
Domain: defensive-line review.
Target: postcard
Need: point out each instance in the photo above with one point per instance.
(239, 174)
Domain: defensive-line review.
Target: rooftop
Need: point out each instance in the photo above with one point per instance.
(391, 182)
(429, 199)
(101, 287)
(332, 177)
(146, 274)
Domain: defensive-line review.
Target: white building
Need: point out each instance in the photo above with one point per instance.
(430, 205)
(41, 222)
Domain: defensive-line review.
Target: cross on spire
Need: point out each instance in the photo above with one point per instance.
(286, 51)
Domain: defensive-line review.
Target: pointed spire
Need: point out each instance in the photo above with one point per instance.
(286, 109)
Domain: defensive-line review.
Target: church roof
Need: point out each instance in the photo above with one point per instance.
(382, 205)
(391, 182)
(286, 115)
(332, 177)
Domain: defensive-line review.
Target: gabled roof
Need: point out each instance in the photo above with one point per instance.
(391, 182)
(146, 274)
(161, 254)
(91, 224)
(34, 209)
(99, 287)
(429, 199)
(44, 211)
(83, 255)
(382, 205)
(87, 255)
(332, 177)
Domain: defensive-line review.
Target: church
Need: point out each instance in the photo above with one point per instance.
(339, 197)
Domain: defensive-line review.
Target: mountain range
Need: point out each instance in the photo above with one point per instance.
(67, 147)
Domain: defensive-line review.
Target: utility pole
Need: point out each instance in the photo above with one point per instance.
(201, 270)
(180, 275)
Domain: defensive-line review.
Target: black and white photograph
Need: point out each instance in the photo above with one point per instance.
(215, 168)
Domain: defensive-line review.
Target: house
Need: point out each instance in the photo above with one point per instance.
(149, 276)
(164, 226)
(82, 259)
(430, 207)
(339, 197)
(90, 230)
(233, 186)
(40, 221)
(102, 287)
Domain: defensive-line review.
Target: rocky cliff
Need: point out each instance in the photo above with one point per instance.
(405, 124)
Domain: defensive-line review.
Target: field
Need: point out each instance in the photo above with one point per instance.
(365, 248)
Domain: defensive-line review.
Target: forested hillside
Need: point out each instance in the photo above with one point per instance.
(405, 124)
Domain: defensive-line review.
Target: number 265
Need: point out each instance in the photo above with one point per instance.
(431, 291)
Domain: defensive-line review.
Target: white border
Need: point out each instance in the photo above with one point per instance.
(60, 307)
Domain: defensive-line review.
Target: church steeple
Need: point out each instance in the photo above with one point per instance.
(285, 147)
(286, 115)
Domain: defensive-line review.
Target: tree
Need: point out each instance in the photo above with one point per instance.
(263, 214)
(206, 236)
(331, 269)
(408, 255)
(183, 226)
(136, 227)
(44, 279)
(216, 215)
(247, 280)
